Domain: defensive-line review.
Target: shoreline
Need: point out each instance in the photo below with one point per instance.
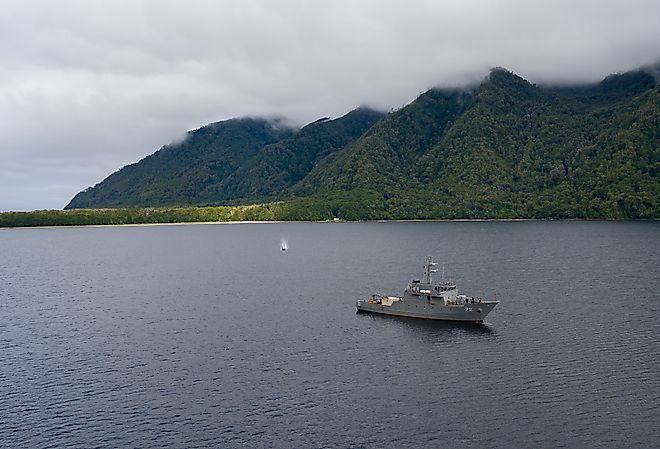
(439, 220)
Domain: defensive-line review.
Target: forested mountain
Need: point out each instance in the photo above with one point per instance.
(503, 149)
(281, 165)
(185, 172)
(225, 161)
(387, 156)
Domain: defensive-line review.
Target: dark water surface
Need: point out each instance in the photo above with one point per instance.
(210, 336)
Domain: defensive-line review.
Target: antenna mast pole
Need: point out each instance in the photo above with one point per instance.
(428, 269)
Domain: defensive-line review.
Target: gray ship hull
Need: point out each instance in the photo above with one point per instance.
(430, 300)
(474, 312)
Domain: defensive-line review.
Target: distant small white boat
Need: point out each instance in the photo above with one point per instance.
(284, 244)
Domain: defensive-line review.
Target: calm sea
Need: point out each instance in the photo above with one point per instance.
(210, 336)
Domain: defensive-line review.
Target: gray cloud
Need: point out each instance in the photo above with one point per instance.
(89, 86)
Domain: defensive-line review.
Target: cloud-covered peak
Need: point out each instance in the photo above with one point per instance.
(87, 87)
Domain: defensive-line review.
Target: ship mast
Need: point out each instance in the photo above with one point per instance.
(428, 269)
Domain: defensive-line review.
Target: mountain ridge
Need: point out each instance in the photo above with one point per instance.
(503, 149)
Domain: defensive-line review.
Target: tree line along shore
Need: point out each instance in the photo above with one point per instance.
(349, 206)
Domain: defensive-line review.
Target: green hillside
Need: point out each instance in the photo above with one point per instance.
(503, 149)
(185, 172)
(508, 149)
(523, 151)
(279, 166)
(226, 162)
(386, 157)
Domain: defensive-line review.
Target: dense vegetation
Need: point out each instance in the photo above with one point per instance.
(504, 149)
(353, 205)
(512, 150)
(226, 162)
(185, 172)
(138, 215)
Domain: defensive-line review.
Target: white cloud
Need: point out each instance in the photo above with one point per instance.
(88, 86)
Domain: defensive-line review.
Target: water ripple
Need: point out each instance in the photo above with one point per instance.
(194, 336)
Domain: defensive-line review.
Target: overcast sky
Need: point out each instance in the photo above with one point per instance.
(87, 86)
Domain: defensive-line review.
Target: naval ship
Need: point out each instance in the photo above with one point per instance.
(430, 300)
